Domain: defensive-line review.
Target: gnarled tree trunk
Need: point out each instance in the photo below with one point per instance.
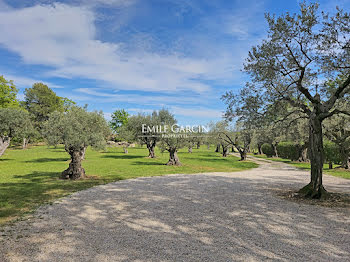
(315, 188)
(274, 147)
(260, 149)
(173, 158)
(4, 144)
(243, 154)
(151, 153)
(224, 151)
(75, 170)
(190, 149)
(198, 145)
(217, 150)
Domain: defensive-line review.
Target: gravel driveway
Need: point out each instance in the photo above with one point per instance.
(203, 217)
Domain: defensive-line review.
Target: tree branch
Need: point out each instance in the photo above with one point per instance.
(339, 93)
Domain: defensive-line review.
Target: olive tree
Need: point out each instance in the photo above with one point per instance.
(14, 123)
(76, 129)
(302, 52)
(172, 139)
(172, 142)
(144, 128)
(218, 133)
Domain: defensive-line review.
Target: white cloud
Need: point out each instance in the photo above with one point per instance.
(159, 100)
(199, 112)
(64, 37)
(23, 82)
(118, 3)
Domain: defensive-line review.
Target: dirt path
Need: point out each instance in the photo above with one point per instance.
(201, 217)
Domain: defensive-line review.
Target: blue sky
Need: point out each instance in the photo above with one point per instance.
(138, 55)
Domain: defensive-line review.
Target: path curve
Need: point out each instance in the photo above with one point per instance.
(200, 217)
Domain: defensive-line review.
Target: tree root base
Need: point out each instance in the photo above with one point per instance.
(73, 174)
(309, 192)
(171, 163)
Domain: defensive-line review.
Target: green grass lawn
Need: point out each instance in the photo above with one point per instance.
(334, 172)
(29, 178)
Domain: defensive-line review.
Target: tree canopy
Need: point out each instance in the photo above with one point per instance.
(119, 118)
(40, 101)
(301, 53)
(76, 129)
(8, 93)
(15, 123)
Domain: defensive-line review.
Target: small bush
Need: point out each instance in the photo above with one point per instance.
(268, 150)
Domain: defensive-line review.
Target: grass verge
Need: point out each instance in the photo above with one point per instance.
(336, 171)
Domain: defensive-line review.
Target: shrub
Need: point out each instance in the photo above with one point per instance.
(288, 150)
(267, 150)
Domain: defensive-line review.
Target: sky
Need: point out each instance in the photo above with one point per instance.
(137, 55)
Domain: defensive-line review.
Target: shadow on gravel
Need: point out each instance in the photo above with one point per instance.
(184, 218)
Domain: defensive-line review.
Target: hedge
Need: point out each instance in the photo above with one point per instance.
(332, 153)
(290, 150)
(268, 150)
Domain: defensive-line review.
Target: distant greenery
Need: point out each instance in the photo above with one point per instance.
(29, 178)
(8, 93)
(304, 165)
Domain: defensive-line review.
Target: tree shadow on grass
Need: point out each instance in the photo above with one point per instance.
(5, 159)
(125, 156)
(140, 163)
(37, 176)
(45, 159)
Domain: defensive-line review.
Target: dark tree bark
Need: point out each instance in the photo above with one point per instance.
(259, 149)
(274, 147)
(243, 153)
(198, 145)
(151, 153)
(173, 158)
(330, 165)
(151, 144)
(315, 188)
(224, 150)
(75, 170)
(4, 144)
(217, 150)
(232, 149)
